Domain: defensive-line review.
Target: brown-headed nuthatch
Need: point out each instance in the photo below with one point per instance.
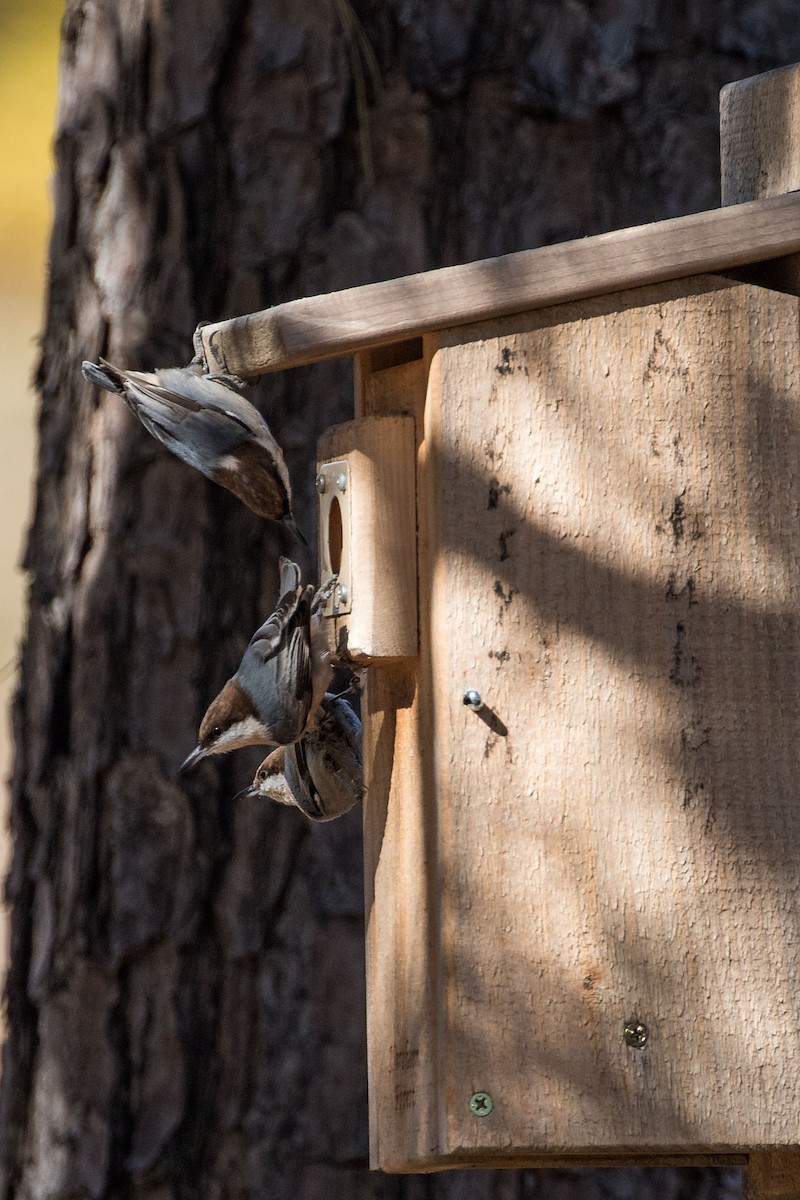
(206, 422)
(321, 774)
(281, 679)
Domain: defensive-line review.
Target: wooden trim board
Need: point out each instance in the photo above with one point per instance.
(320, 327)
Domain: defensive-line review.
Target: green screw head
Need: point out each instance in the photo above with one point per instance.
(481, 1104)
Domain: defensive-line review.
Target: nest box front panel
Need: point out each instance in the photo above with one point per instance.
(609, 509)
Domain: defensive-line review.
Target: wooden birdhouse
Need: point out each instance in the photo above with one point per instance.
(566, 521)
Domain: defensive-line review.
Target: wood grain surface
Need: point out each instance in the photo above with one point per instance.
(760, 136)
(608, 505)
(382, 621)
(319, 327)
(760, 157)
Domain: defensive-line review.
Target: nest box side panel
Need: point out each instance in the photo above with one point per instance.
(401, 906)
(612, 504)
(399, 864)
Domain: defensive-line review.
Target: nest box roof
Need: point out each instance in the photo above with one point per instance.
(320, 327)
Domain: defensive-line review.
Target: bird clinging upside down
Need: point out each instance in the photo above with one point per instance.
(281, 679)
(321, 774)
(207, 423)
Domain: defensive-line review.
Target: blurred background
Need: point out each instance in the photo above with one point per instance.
(29, 32)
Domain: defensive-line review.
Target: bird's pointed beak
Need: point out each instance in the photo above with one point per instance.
(193, 758)
(248, 793)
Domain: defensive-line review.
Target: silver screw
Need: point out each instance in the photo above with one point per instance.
(481, 1104)
(635, 1034)
(341, 482)
(472, 699)
(342, 593)
(320, 483)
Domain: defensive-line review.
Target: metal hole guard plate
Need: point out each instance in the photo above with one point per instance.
(334, 483)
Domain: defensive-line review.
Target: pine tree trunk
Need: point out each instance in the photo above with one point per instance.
(186, 992)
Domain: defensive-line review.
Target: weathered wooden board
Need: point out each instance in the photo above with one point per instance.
(401, 906)
(399, 867)
(319, 327)
(760, 136)
(760, 145)
(772, 1175)
(381, 621)
(760, 156)
(609, 498)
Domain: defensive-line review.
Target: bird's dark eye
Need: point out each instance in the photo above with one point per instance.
(216, 731)
(262, 775)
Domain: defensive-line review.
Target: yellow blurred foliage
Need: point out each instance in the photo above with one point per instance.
(29, 34)
(29, 31)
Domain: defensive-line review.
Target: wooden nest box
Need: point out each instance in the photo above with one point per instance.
(566, 519)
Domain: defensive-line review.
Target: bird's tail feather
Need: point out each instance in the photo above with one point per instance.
(103, 375)
(290, 576)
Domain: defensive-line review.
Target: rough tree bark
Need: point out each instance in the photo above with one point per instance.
(185, 998)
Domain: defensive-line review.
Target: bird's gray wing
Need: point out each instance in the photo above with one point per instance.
(179, 394)
(301, 785)
(171, 397)
(159, 409)
(203, 421)
(335, 758)
(276, 667)
(290, 609)
(327, 773)
(337, 712)
(269, 637)
(149, 390)
(162, 410)
(220, 393)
